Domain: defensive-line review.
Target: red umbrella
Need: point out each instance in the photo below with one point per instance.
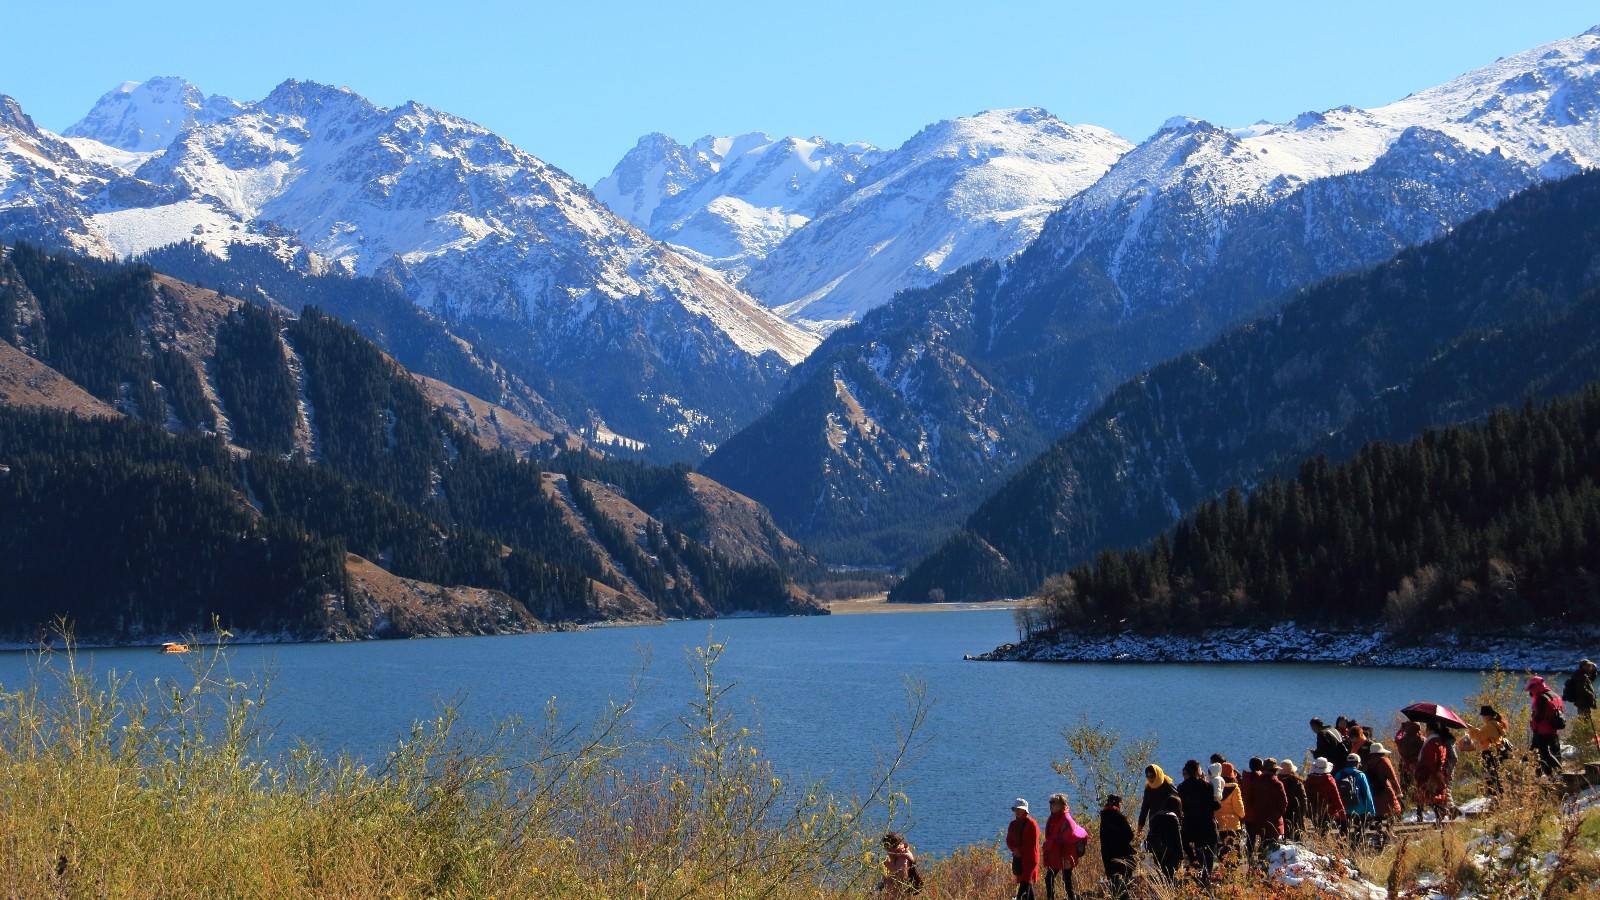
(1433, 712)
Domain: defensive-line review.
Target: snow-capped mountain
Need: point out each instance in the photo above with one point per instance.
(473, 226)
(1196, 230)
(727, 201)
(145, 116)
(1191, 180)
(958, 191)
(53, 194)
(652, 346)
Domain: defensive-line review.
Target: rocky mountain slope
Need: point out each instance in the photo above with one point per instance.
(1196, 230)
(727, 201)
(978, 187)
(470, 227)
(1504, 308)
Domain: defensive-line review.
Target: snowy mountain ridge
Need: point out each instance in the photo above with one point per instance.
(1537, 108)
(961, 190)
(727, 201)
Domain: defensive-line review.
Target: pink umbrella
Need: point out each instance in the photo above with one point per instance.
(1433, 712)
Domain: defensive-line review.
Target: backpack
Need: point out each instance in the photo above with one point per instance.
(1347, 790)
(1556, 717)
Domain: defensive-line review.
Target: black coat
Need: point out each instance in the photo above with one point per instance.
(1580, 692)
(1164, 841)
(1199, 807)
(1331, 747)
(1155, 800)
(1116, 840)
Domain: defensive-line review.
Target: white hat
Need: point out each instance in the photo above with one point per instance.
(1020, 803)
(1320, 766)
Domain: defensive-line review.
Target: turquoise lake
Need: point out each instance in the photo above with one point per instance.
(827, 694)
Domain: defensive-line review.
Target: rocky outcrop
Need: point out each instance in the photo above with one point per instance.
(383, 605)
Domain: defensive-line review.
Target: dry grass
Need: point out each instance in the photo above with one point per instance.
(109, 792)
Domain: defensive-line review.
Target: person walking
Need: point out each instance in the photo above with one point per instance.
(1359, 740)
(900, 878)
(1579, 689)
(1408, 743)
(1117, 854)
(1158, 787)
(1200, 806)
(1294, 787)
(1452, 758)
(1064, 843)
(1549, 717)
(1384, 781)
(1022, 839)
(1491, 740)
(1230, 816)
(1265, 802)
(1324, 806)
(1330, 744)
(1165, 838)
(1355, 792)
(1433, 774)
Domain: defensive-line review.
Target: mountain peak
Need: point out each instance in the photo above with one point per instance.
(960, 190)
(304, 98)
(147, 115)
(1024, 115)
(12, 116)
(1187, 124)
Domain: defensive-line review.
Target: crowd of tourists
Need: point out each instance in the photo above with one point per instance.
(1356, 789)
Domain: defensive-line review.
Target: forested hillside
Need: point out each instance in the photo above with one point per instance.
(1487, 528)
(378, 310)
(1502, 309)
(284, 443)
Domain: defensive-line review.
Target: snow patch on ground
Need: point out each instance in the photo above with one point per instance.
(1296, 866)
(130, 232)
(1289, 642)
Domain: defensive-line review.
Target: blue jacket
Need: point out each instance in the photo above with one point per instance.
(1364, 805)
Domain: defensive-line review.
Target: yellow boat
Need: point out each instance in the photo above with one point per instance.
(174, 647)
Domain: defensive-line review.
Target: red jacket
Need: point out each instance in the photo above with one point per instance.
(1545, 705)
(1323, 800)
(1432, 782)
(1265, 801)
(1385, 784)
(1022, 839)
(1061, 840)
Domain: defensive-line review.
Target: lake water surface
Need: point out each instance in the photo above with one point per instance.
(827, 692)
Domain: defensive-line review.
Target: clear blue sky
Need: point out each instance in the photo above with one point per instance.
(577, 83)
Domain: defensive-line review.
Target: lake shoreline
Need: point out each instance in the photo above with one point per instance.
(880, 604)
(1291, 643)
(206, 639)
